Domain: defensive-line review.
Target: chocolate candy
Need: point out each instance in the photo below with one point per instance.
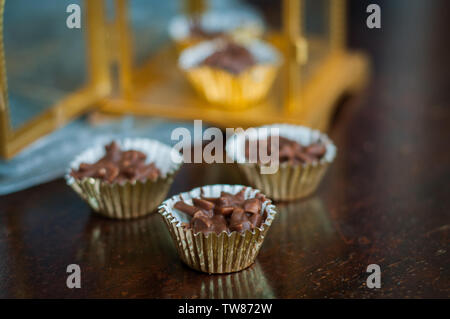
(118, 166)
(225, 213)
(185, 208)
(231, 57)
(289, 151)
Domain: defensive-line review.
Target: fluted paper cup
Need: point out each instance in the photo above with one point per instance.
(231, 91)
(129, 199)
(213, 253)
(291, 181)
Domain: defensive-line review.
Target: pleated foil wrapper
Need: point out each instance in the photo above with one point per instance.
(215, 253)
(231, 91)
(289, 182)
(130, 199)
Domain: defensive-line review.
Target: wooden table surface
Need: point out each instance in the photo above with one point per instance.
(385, 200)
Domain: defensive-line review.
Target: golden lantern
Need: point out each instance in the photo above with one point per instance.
(317, 69)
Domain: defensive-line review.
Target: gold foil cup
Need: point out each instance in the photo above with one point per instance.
(215, 253)
(130, 199)
(290, 182)
(231, 91)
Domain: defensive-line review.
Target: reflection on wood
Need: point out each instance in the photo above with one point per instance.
(248, 283)
(104, 240)
(305, 220)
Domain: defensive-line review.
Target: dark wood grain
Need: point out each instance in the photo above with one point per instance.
(385, 200)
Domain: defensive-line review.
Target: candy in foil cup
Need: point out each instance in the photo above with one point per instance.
(130, 199)
(290, 182)
(212, 253)
(231, 91)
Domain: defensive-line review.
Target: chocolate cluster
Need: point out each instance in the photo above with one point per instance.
(230, 57)
(289, 151)
(226, 213)
(118, 166)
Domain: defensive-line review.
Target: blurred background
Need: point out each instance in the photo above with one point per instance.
(384, 200)
(46, 63)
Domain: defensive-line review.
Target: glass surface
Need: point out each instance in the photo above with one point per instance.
(317, 18)
(45, 60)
(150, 19)
(316, 29)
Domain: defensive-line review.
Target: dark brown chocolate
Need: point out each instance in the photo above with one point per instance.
(225, 213)
(231, 57)
(290, 151)
(118, 166)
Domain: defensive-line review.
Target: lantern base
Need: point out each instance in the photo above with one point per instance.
(160, 89)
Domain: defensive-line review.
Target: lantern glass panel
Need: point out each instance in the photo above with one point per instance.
(149, 21)
(316, 29)
(45, 60)
(148, 26)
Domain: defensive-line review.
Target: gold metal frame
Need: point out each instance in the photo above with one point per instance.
(293, 98)
(98, 86)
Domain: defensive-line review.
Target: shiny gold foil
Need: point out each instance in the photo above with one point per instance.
(130, 200)
(233, 91)
(213, 253)
(289, 183)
